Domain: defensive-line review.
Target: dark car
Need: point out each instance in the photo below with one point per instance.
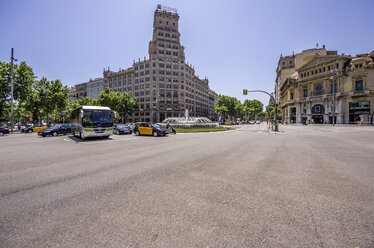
(145, 128)
(122, 129)
(56, 130)
(3, 131)
(28, 129)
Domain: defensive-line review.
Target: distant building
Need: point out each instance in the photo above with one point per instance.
(95, 87)
(306, 95)
(81, 90)
(72, 93)
(287, 65)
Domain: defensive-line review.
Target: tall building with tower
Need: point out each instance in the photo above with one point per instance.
(164, 83)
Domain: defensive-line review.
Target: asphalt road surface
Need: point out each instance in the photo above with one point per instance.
(307, 186)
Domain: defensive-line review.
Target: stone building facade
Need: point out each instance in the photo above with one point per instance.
(95, 87)
(307, 94)
(81, 90)
(164, 83)
(72, 93)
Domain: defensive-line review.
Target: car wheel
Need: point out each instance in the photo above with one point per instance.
(1, 134)
(137, 133)
(54, 133)
(73, 133)
(155, 134)
(44, 135)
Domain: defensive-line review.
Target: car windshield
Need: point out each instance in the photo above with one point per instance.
(55, 126)
(97, 118)
(121, 125)
(156, 125)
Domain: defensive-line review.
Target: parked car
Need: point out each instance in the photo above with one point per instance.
(228, 123)
(27, 129)
(56, 130)
(122, 129)
(258, 122)
(33, 128)
(145, 128)
(4, 130)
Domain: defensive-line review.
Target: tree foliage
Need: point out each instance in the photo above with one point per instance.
(270, 108)
(23, 80)
(228, 105)
(122, 103)
(253, 108)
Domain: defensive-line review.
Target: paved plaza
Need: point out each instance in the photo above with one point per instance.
(306, 186)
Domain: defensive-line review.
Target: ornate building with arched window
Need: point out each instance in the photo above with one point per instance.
(307, 94)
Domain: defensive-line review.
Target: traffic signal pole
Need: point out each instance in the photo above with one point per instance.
(245, 92)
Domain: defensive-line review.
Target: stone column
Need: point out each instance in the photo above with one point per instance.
(298, 113)
(339, 111)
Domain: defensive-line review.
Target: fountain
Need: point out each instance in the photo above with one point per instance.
(190, 122)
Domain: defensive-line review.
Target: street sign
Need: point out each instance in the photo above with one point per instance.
(245, 92)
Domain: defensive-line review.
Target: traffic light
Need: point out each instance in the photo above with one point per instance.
(245, 92)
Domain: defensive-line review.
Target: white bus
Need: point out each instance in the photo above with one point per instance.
(92, 121)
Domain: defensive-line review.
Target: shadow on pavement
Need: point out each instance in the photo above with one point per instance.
(90, 139)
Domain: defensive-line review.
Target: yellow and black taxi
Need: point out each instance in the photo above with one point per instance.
(33, 128)
(145, 128)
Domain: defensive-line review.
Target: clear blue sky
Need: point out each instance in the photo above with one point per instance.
(236, 44)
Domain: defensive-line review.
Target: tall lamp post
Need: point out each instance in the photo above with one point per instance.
(11, 91)
(275, 105)
(333, 94)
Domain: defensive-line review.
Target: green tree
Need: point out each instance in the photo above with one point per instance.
(126, 105)
(228, 105)
(50, 96)
(23, 80)
(88, 101)
(253, 108)
(122, 103)
(270, 108)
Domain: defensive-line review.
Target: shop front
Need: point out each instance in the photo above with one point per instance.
(359, 110)
(317, 113)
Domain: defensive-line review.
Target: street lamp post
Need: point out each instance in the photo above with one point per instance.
(11, 91)
(333, 94)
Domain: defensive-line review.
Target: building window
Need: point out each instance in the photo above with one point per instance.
(318, 89)
(284, 62)
(291, 96)
(359, 85)
(305, 92)
(333, 91)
